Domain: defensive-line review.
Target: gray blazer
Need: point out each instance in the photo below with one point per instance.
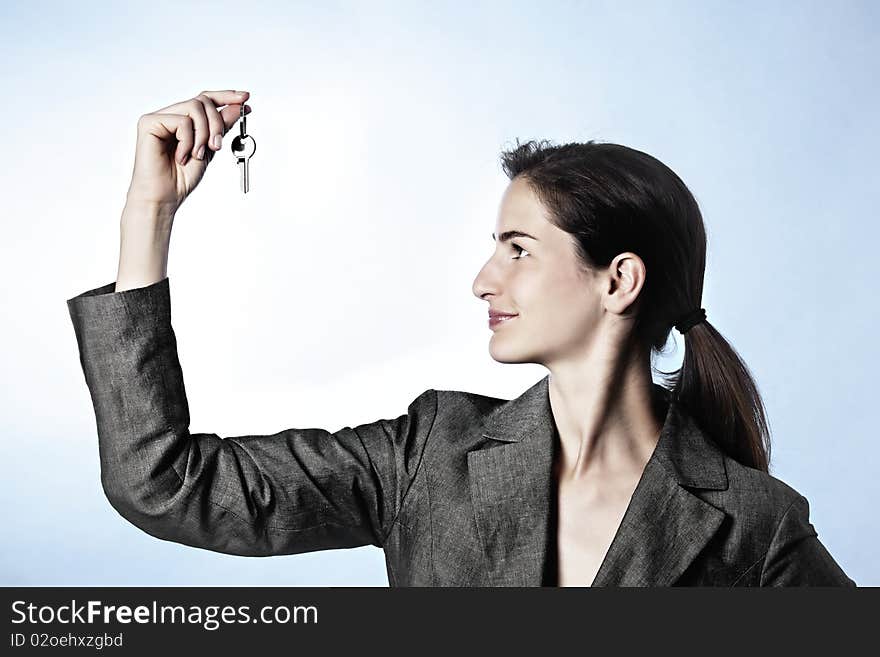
(457, 491)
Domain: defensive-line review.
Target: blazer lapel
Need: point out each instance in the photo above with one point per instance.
(511, 487)
(664, 528)
(665, 525)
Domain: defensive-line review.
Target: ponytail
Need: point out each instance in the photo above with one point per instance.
(714, 386)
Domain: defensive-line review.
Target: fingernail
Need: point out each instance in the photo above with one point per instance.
(201, 153)
(184, 158)
(218, 141)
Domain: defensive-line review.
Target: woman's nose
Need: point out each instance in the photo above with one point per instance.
(484, 283)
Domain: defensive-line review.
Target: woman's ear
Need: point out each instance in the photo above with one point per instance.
(627, 278)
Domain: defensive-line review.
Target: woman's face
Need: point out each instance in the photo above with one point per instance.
(539, 279)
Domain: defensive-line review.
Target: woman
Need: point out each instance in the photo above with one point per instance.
(593, 476)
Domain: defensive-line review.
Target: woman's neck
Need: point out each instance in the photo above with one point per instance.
(606, 415)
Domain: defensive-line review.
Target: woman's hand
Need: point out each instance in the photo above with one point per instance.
(175, 145)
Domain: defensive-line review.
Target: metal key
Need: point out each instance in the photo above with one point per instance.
(243, 148)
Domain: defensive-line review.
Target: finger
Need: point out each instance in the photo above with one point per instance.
(215, 121)
(185, 134)
(196, 111)
(219, 98)
(228, 97)
(231, 114)
(163, 126)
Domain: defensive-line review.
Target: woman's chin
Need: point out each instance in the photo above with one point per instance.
(505, 355)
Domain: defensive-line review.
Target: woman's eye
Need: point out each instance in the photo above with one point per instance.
(520, 251)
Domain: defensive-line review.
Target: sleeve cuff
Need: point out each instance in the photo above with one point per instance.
(102, 316)
(152, 300)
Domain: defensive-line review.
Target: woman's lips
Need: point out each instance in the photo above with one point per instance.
(497, 320)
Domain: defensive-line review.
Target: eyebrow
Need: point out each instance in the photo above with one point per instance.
(507, 234)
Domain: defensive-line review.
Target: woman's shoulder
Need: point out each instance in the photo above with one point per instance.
(472, 402)
(774, 517)
(759, 495)
(459, 410)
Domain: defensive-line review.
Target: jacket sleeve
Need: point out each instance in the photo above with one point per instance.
(796, 557)
(294, 491)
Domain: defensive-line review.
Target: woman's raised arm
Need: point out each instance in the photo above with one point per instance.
(298, 490)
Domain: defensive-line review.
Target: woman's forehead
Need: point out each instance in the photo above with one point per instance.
(521, 210)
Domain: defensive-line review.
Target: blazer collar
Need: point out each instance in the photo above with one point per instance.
(663, 529)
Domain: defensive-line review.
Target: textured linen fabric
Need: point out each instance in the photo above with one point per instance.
(458, 490)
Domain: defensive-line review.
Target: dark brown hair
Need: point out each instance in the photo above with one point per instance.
(613, 199)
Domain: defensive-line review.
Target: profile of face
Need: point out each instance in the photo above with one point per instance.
(536, 275)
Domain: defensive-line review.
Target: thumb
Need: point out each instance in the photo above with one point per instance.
(231, 114)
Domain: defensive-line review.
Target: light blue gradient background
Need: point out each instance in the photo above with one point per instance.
(346, 272)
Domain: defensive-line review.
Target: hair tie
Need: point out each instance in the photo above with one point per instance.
(691, 319)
